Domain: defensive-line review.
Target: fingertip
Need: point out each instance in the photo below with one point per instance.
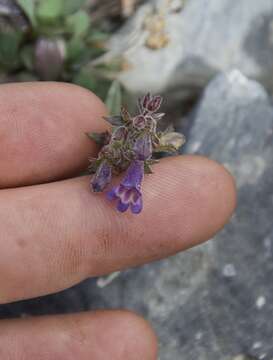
(196, 197)
(220, 184)
(128, 335)
(85, 99)
(215, 199)
(229, 191)
(141, 337)
(100, 335)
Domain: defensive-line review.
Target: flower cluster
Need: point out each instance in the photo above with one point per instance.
(130, 147)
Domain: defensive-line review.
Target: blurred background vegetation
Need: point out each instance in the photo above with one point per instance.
(62, 40)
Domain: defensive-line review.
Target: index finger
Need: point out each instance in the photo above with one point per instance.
(42, 131)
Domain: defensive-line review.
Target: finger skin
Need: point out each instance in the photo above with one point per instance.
(42, 131)
(55, 235)
(102, 335)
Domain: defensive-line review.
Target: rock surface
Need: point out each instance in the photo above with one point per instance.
(205, 37)
(233, 124)
(213, 302)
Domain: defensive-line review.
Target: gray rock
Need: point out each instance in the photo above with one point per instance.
(205, 37)
(233, 124)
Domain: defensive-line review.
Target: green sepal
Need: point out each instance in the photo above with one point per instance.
(99, 138)
(114, 120)
(147, 169)
(165, 148)
(152, 161)
(125, 115)
(94, 164)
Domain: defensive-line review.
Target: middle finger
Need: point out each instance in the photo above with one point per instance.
(55, 235)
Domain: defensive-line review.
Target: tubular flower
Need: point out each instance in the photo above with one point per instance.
(128, 193)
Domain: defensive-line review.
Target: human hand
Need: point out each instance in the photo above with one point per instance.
(54, 233)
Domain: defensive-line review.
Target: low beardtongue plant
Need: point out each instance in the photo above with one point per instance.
(129, 148)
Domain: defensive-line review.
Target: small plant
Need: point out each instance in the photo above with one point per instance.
(130, 147)
(53, 40)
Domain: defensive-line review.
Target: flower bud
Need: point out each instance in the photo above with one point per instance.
(139, 122)
(49, 58)
(150, 103)
(102, 177)
(146, 100)
(154, 104)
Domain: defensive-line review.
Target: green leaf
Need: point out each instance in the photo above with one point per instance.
(9, 49)
(113, 66)
(26, 76)
(71, 6)
(49, 11)
(28, 7)
(86, 80)
(91, 80)
(114, 98)
(97, 36)
(78, 23)
(77, 52)
(27, 56)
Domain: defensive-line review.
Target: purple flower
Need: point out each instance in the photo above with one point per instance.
(143, 148)
(102, 177)
(128, 193)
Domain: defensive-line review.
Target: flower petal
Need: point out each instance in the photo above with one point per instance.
(122, 207)
(134, 175)
(112, 194)
(137, 207)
